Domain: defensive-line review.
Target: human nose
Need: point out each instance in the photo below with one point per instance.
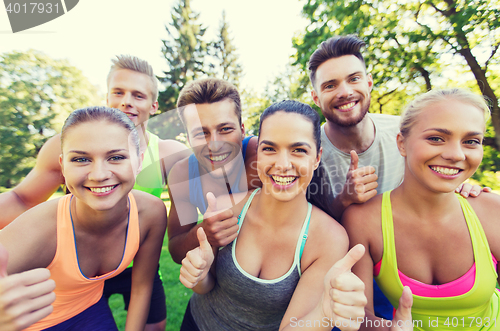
(345, 90)
(126, 100)
(283, 162)
(99, 172)
(454, 152)
(214, 142)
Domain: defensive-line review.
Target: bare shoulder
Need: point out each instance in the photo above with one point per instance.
(486, 202)
(148, 204)
(363, 216)
(172, 150)
(487, 208)
(179, 172)
(327, 240)
(235, 201)
(31, 239)
(252, 148)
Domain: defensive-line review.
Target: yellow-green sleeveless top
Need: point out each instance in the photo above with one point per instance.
(476, 309)
(150, 178)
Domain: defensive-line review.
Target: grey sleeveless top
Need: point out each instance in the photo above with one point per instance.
(240, 301)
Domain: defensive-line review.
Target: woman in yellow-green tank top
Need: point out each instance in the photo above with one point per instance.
(422, 235)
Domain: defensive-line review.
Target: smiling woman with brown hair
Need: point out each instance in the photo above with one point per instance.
(277, 274)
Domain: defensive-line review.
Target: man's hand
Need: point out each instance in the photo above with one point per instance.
(466, 190)
(344, 297)
(25, 298)
(197, 263)
(361, 183)
(221, 227)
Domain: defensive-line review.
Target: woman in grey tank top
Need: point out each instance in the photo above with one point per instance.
(288, 268)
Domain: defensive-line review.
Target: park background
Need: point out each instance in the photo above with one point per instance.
(261, 46)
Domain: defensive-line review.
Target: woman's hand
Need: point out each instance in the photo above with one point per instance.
(197, 263)
(344, 297)
(402, 319)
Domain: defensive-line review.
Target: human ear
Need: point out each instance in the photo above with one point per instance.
(314, 95)
(401, 144)
(318, 158)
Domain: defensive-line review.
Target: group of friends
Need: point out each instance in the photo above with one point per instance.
(293, 236)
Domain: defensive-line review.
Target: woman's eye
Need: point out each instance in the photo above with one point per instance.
(300, 150)
(473, 142)
(435, 139)
(79, 159)
(117, 158)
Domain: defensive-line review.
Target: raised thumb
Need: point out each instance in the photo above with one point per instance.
(205, 246)
(354, 161)
(4, 258)
(403, 313)
(345, 264)
(212, 202)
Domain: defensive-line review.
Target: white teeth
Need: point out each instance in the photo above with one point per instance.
(283, 180)
(219, 157)
(349, 105)
(101, 189)
(445, 171)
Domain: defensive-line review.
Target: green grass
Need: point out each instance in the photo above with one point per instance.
(177, 296)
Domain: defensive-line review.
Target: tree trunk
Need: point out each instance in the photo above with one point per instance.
(487, 91)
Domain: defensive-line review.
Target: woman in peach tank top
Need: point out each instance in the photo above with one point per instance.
(94, 233)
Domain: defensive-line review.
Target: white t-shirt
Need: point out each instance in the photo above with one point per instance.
(383, 155)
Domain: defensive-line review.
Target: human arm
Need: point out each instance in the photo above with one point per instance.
(220, 226)
(171, 152)
(364, 228)
(323, 268)
(25, 298)
(359, 187)
(41, 182)
(153, 221)
(195, 271)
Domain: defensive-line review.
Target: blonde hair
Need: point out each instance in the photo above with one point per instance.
(418, 104)
(135, 64)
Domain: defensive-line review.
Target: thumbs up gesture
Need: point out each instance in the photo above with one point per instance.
(361, 183)
(197, 263)
(221, 226)
(402, 319)
(25, 298)
(344, 298)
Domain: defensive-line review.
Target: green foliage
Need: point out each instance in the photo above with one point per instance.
(406, 41)
(184, 50)
(36, 95)
(223, 51)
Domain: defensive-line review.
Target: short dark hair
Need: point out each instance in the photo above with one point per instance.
(335, 47)
(292, 106)
(208, 90)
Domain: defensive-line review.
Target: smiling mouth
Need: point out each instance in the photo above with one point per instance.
(102, 189)
(218, 158)
(284, 180)
(445, 171)
(347, 105)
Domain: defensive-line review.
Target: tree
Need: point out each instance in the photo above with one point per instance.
(409, 45)
(185, 52)
(224, 54)
(37, 93)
